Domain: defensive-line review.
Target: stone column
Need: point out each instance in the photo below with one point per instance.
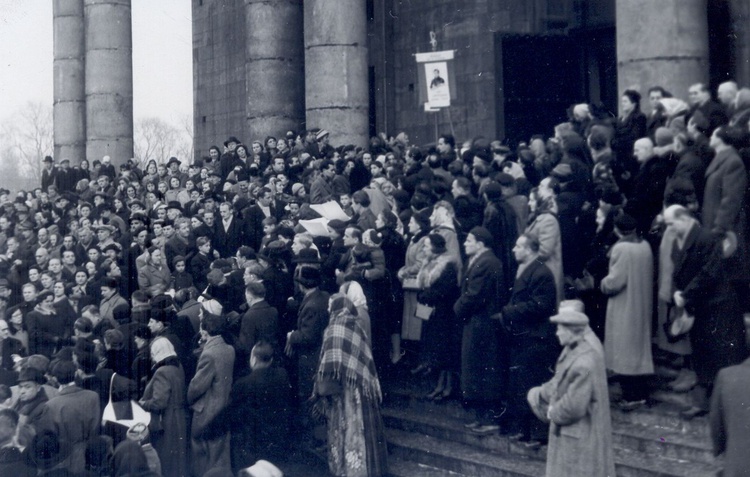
(69, 87)
(275, 67)
(740, 12)
(336, 80)
(109, 80)
(661, 43)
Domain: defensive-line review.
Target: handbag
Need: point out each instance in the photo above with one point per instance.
(410, 284)
(423, 312)
(127, 419)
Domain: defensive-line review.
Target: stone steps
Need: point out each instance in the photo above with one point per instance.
(408, 468)
(456, 457)
(647, 442)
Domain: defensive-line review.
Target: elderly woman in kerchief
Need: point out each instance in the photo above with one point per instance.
(164, 398)
(348, 394)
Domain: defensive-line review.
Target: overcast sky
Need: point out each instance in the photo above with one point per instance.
(162, 56)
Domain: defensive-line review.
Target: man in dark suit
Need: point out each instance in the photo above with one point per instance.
(304, 343)
(264, 207)
(259, 323)
(700, 100)
(482, 295)
(263, 399)
(701, 284)
(529, 337)
(229, 231)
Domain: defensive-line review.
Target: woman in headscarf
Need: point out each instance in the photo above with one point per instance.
(438, 281)
(543, 224)
(348, 395)
(164, 398)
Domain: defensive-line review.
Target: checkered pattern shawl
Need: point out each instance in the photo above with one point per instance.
(346, 357)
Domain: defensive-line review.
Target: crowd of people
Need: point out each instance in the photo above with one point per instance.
(200, 294)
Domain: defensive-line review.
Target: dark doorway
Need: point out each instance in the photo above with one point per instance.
(540, 77)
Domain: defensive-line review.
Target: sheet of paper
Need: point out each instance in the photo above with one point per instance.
(330, 210)
(317, 227)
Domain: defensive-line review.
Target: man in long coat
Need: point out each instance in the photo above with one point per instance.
(701, 288)
(729, 410)
(629, 286)
(528, 336)
(208, 394)
(482, 295)
(576, 404)
(303, 344)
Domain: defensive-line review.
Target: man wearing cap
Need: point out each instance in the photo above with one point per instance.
(31, 396)
(174, 170)
(482, 295)
(576, 404)
(324, 148)
(702, 290)
(66, 177)
(49, 173)
(229, 160)
(104, 235)
(629, 286)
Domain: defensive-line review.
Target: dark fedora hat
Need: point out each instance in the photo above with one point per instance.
(232, 139)
(307, 255)
(308, 277)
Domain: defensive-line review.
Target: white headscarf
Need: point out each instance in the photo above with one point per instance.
(161, 349)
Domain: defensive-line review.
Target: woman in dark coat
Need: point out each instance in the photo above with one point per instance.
(164, 397)
(394, 249)
(438, 281)
(630, 127)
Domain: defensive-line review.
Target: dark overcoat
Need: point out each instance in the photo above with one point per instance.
(482, 295)
(729, 410)
(164, 398)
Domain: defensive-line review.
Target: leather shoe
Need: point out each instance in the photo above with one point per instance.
(693, 412)
(486, 429)
(472, 424)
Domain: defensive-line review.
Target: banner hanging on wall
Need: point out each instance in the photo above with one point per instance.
(437, 85)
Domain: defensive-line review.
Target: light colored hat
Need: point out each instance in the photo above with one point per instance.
(212, 306)
(296, 188)
(575, 305)
(570, 317)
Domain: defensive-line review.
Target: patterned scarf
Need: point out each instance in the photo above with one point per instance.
(346, 356)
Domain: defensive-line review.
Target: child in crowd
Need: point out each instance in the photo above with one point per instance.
(180, 278)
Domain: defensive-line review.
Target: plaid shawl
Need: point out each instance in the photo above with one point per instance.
(346, 356)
